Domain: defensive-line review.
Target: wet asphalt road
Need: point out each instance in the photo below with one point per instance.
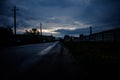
(39, 61)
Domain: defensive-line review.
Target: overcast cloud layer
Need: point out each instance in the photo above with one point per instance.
(60, 17)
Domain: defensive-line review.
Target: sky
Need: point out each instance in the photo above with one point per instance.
(62, 17)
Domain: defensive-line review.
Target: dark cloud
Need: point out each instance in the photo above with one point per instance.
(5, 7)
(78, 31)
(6, 12)
(84, 31)
(23, 24)
(101, 14)
(53, 3)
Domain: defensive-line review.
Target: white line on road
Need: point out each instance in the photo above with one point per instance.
(45, 51)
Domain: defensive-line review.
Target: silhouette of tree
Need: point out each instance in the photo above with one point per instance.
(32, 36)
(33, 31)
(6, 35)
(67, 38)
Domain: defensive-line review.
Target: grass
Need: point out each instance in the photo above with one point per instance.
(95, 57)
(106, 52)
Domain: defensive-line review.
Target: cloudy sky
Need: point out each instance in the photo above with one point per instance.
(61, 17)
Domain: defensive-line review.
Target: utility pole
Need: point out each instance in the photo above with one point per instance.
(51, 34)
(41, 32)
(90, 30)
(90, 33)
(14, 20)
(41, 29)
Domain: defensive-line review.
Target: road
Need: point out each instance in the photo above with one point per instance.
(38, 61)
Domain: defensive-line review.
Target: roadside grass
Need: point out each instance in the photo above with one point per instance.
(90, 51)
(95, 57)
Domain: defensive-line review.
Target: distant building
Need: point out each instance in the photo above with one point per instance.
(48, 38)
(67, 38)
(105, 36)
(75, 39)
